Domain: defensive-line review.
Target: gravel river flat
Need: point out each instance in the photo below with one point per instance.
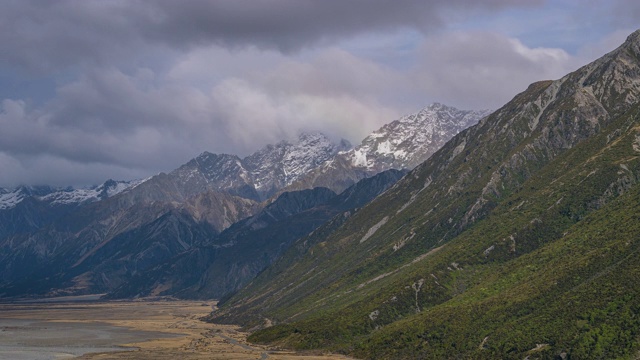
(158, 330)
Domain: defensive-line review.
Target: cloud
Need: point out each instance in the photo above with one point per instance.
(110, 119)
(483, 69)
(146, 122)
(130, 88)
(49, 36)
(151, 121)
(254, 115)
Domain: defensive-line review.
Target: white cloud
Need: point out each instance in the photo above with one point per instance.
(256, 116)
(484, 70)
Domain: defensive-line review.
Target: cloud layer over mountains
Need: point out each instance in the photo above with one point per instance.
(91, 90)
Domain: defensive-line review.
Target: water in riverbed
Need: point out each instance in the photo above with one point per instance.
(38, 340)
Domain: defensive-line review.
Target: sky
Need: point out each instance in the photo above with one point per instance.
(125, 89)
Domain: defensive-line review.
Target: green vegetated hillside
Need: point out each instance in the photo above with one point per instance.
(519, 238)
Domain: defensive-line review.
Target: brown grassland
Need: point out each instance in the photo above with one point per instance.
(189, 337)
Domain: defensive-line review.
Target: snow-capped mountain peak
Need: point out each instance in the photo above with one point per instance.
(276, 166)
(64, 196)
(408, 141)
(261, 174)
(400, 144)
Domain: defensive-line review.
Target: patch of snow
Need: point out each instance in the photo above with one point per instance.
(384, 148)
(73, 196)
(400, 154)
(110, 188)
(360, 158)
(11, 199)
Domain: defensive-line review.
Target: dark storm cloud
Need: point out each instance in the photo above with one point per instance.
(46, 35)
(290, 24)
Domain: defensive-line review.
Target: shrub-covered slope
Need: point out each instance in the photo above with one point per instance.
(518, 238)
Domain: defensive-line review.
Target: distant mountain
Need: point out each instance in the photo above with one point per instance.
(28, 208)
(518, 239)
(63, 196)
(401, 144)
(277, 166)
(63, 241)
(228, 262)
(73, 241)
(260, 175)
(95, 247)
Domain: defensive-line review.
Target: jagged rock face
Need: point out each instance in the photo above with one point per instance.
(260, 175)
(277, 166)
(407, 142)
(550, 118)
(401, 144)
(214, 172)
(63, 196)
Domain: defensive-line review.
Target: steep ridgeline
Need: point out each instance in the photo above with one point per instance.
(27, 208)
(259, 175)
(68, 196)
(72, 241)
(96, 247)
(239, 253)
(401, 144)
(518, 239)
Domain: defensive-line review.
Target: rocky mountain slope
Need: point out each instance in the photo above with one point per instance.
(231, 260)
(96, 247)
(401, 144)
(260, 175)
(9, 199)
(68, 232)
(518, 239)
(71, 232)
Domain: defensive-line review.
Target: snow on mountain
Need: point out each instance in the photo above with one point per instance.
(401, 144)
(408, 141)
(9, 199)
(260, 174)
(63, 196)
(312, 160)
(276, 166)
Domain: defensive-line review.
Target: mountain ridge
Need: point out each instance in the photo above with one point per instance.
(401, 144)
(438, 266)
(62, 230)
(244, 249)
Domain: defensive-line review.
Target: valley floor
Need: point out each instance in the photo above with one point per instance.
(159, 329)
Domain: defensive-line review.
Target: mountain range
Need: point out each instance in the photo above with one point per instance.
(401, 144)
(518, 239)
(233, 258)
(74, 241)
